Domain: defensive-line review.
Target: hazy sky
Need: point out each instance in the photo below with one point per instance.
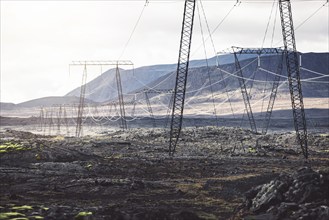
(39, 39)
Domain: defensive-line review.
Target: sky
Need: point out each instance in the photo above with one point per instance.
(39, 39)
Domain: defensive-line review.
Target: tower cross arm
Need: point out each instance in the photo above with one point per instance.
(103, 62)
(259, 51)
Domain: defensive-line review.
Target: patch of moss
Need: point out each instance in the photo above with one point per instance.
(59, 138)
(38, 156)
(324, 135)
(10, 147)
(24, 207)
(44, 208)
(206, 216)
(251, 150)
(10, 215)
(83, 214)
(89, 166)
(20, 218)
(117, 156)
(38, 217)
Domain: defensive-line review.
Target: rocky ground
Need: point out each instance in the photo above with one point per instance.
(129, 175)
(302, 195)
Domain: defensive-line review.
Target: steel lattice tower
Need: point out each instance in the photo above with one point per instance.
(181, 77)
(149, 108)
(115, 63)
(148, 103)
(245, 94)
(293, 74)
(81, 102)
(276, 81)
(120, 97)
(274, 90)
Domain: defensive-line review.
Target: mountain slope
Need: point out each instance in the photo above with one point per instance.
(51, 101)
(103, 88)
(200, 78)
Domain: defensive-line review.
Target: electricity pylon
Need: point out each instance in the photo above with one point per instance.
(116, 63)
(259, 51)
(293, 70)
(181, 77)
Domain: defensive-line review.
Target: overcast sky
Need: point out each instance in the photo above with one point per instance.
(39, 39)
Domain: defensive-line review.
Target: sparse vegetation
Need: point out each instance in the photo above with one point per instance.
(10, 147)
(80, 215)
(24, 207)
(11, 215)
(136, 177)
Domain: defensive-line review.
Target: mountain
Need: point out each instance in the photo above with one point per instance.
(7, 106)
(103, 88)
(314, 85)
(51, 101)
(203, 82)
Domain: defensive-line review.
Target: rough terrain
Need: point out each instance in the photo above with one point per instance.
(129, 175)
(301, 195)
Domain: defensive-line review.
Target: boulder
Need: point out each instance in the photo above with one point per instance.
(301, 195)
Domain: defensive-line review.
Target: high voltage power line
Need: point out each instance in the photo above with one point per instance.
(155, 1)
(240, 77)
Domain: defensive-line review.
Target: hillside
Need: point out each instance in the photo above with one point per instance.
(6, 106)
(44, 102)
(202, 80)
(103, 88)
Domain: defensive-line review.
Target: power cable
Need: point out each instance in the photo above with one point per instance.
(265, 88)
(268, 24)
(209, 32)
(206, 57)
(236, 91)
(308, 18)
(282, 83)
(311, 71)
(218, 25)
(216, 55)
(253, 75)
(133, 31)
(274, 23)
(153, 88)
(302, 80)
(230, 74)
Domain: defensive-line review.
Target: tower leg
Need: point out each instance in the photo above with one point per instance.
(181, 77)
(295, 86)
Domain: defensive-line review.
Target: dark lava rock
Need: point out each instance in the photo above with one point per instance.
(137, 185)
(151, 214)
(61, 212)
(21, 134)
(301, 195)
(187, 215)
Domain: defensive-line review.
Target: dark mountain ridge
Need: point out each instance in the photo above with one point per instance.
(201, 80)
(103, 88)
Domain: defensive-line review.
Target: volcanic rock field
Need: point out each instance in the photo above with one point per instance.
(216, 173)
